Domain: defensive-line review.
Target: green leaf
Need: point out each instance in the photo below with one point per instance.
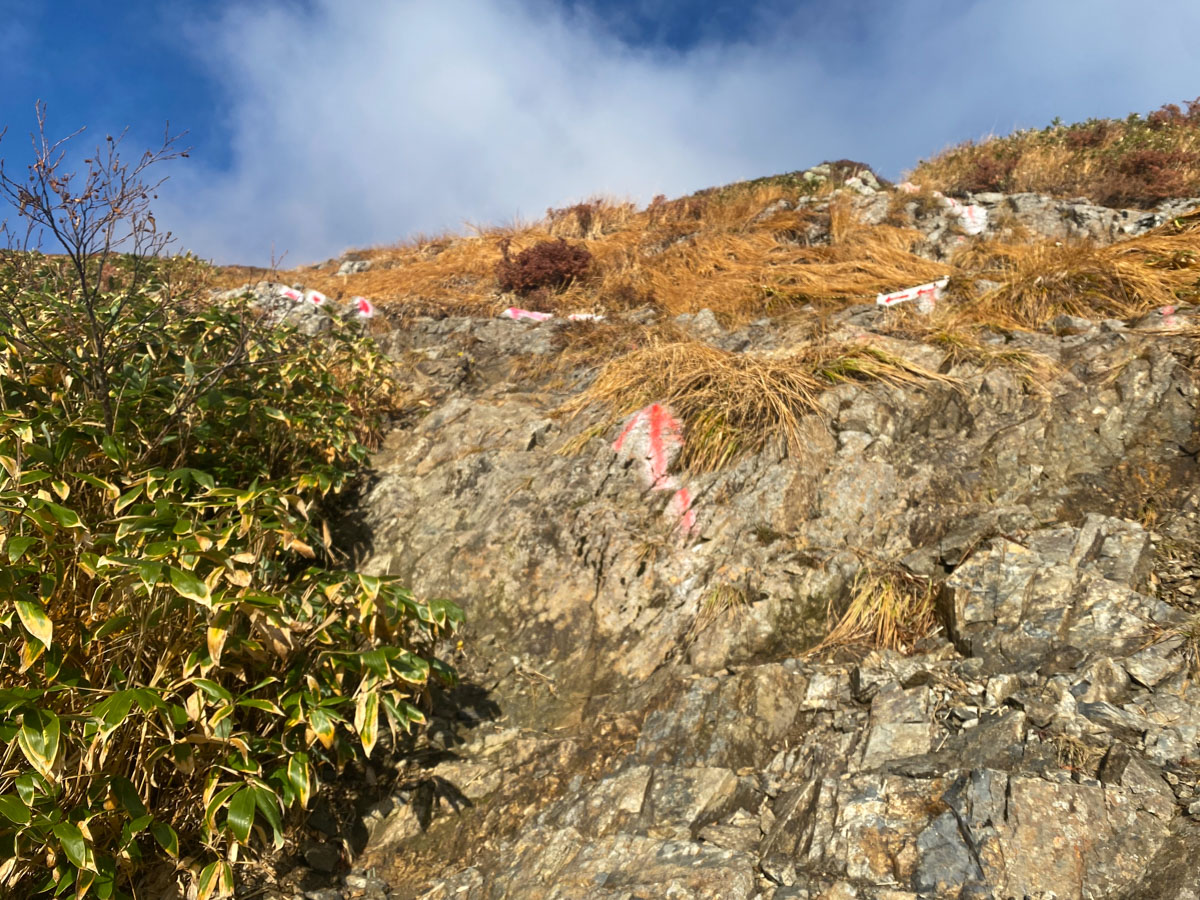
(66, 518)
(240, 817)
(216, 880)
(297, 773)
(113, 710)
(35, 620)
(123, 789)
(214, 805)
(322, 725)
(126, 498)
(166, 837)
(366, 720)
(212, 690)
(268, 805)
(17, 546)
(188, 585)
(73, 844)
(38, 739)
(111, 448)
(14, 810)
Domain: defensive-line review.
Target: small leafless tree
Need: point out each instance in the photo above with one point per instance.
(93, 216)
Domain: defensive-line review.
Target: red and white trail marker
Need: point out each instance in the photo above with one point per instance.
(291, 294)
(362, 307)
(515, 312)
(926, 295)
(973, 218)
(653, 439)
(316, 298)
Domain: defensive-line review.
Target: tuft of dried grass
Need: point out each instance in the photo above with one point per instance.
(724, 601)
(889, 608)
(1135, 161)
(730, 402)
(1050, 278)
(741, 253)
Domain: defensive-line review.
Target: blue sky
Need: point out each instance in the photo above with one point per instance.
(319, 125)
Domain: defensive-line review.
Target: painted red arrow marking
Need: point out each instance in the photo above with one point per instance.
(663, 435)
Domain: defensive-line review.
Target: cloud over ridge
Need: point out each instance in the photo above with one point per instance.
(356, 122)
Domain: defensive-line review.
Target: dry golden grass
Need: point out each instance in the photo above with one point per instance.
(717, 251)
(1136, 161)
(735, 402)
(1048, 278)
(889, 608)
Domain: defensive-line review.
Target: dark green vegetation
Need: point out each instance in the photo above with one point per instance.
(180, 655)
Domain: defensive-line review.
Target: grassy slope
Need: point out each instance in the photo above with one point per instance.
(1133, 162)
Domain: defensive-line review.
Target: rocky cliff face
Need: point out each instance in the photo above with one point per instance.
(641, 715)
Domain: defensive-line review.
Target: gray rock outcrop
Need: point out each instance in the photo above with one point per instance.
(641, 713)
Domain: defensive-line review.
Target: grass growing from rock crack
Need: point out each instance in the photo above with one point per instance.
(736, 402)
(888, 608)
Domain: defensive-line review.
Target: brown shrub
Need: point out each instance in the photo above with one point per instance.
(1146, 177)
(989, 173)
(546, 265)
(1090, 136)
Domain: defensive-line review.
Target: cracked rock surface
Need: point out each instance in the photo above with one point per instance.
(627, 730)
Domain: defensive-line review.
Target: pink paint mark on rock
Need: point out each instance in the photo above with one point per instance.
(653, 438)
(515, 312)
(681, 508)
(364, 307)
(315, 297)
(292, 294)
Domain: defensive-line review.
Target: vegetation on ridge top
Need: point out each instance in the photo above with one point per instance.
(1133, 162)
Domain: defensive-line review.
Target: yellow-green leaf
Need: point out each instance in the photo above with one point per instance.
(35, 620)
(17, 546)
(322, 725)
(188, 585)
(366, 720)
(298, 775)
(240, 817)
(215, 881)
(126, 498)
(38, 739)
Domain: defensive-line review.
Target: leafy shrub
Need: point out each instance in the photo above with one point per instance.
(989, 173)
(1133, 161)
(1149, 176)
(178, 652)
(550, 265)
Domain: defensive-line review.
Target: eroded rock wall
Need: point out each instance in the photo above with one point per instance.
(640, 715)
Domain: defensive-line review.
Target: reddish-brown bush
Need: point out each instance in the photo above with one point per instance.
(1085, 137)
(546, 265)
(989, 173)
(1145, 177)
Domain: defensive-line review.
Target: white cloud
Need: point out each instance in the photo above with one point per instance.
(362, 121)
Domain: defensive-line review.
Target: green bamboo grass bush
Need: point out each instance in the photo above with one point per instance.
(178, 651)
